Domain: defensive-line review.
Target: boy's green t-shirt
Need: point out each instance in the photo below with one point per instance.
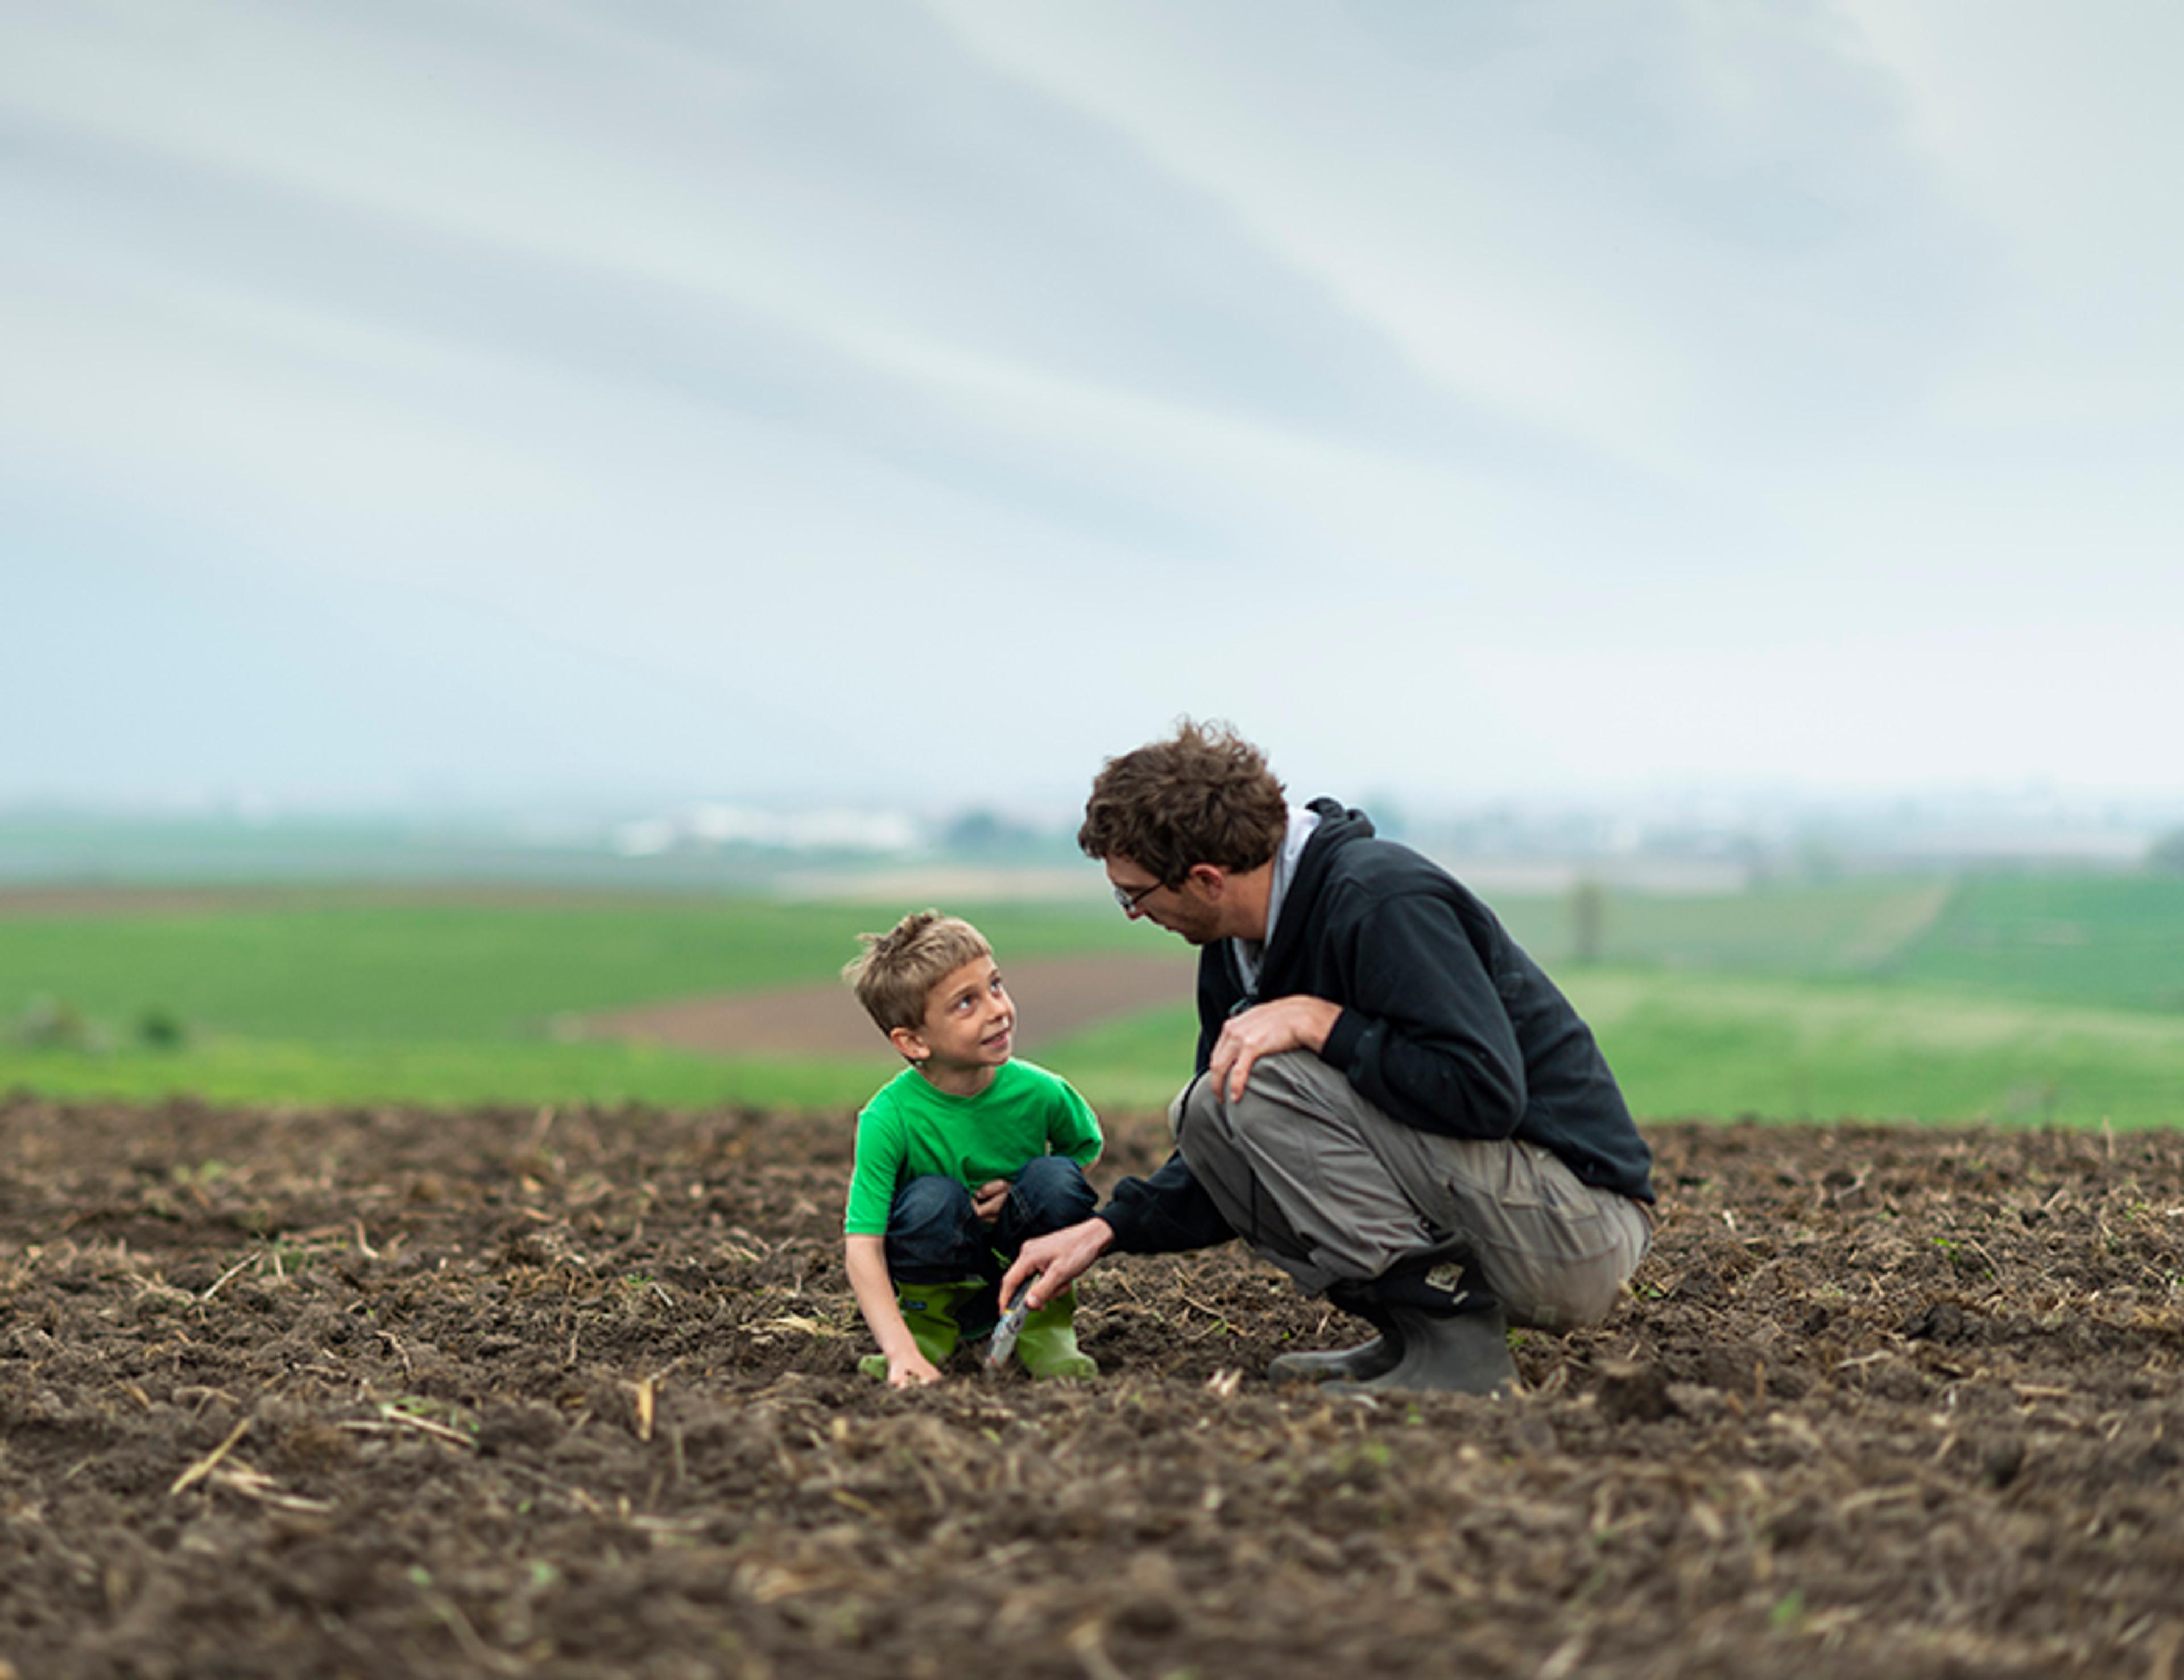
(910, 1129)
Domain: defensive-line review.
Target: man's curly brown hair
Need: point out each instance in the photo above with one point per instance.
(1204, 796)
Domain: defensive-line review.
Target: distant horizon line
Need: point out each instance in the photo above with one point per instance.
(609, 808)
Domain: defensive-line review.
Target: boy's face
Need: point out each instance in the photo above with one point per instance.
(970, 1023)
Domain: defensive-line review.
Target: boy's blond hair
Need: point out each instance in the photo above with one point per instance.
(897, 971)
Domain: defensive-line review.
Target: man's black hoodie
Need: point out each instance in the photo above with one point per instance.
(1446, 1024)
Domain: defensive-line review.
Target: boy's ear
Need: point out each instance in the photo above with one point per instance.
(907, 1040)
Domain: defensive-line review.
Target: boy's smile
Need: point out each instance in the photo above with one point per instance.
(969, 1029)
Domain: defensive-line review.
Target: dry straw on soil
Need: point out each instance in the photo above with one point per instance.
(575, 1395)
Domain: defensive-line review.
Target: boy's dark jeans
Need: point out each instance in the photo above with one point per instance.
(933, 1236)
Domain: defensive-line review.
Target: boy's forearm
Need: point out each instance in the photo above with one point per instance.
(866, 1261)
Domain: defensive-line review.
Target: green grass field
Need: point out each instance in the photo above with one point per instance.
(2015, 999)
(2103, 942)
(379, 968)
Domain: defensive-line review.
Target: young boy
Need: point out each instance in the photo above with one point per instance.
(960, 1157)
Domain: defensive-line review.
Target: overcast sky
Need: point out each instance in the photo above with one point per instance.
(507, 398)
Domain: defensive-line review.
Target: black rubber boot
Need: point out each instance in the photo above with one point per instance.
(1355, 1365)
(1450, 1336)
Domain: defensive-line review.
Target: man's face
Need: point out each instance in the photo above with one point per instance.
(1184, 909)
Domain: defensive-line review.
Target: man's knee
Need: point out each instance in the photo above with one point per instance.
(1285, 1096)
(1287, 1074)
(1290, 1083)
(1203, 1126)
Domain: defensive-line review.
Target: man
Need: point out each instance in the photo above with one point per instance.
(1393, 1103)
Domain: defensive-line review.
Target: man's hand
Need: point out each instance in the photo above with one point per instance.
(912, 1370)
(989, 1199)
(1293, 1023)
(1055, 1261)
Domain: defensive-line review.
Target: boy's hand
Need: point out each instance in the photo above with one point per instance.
(989, 1199)
(912, 1370)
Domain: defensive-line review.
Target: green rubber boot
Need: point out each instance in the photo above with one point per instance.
(1048, 1344)
(933, 1312)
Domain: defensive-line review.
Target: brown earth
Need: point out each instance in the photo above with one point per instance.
(574, 1395)
(1054, 998)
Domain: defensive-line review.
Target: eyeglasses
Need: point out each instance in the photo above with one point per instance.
(1130, 901)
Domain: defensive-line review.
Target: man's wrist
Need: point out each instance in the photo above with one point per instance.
(1340, 1048)
(1319, 1017)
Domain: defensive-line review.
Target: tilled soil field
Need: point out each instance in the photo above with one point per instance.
(574, 1395)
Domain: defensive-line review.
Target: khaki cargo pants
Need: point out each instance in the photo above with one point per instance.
(1329, 1188)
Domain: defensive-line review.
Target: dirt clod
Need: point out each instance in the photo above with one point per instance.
(1941, 1322)
(1630, 1392)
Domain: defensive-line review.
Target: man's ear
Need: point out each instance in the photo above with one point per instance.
(910, 1043)
(1213, 879)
